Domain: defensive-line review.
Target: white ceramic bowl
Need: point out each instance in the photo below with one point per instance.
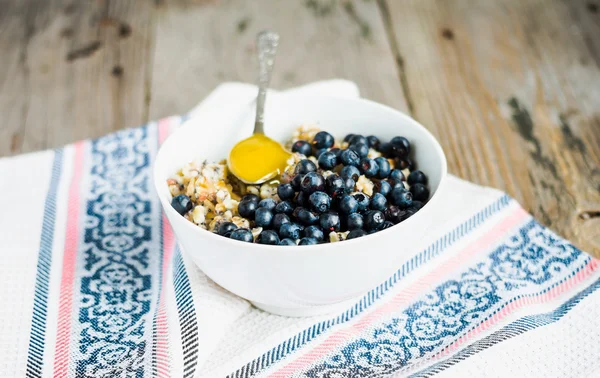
(302, 280)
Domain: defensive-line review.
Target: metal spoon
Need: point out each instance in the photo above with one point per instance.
(267, 42)
(250, 152)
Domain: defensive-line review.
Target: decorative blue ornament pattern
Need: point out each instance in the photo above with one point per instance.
(528, 263)
(116, 286)
(298, 341)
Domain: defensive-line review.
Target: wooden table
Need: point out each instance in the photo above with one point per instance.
(510, 87)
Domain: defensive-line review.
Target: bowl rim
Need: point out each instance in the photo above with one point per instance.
(316, 248)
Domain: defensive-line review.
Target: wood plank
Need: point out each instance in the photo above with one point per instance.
(76, 70)
(13, 38)
(200, 44)
(512, 90)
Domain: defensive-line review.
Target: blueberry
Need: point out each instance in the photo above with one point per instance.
(398, 184)
(397, 176)
(356, 234)
(349, 157)
(354, 221)
(312, 182)
(301, 199)
(363, 201)
(386, 149)
(182, 204)
(416, 205)
(361, 149)
(247, 208)
(400, 147)
(327, 160)
(416, 177)
(392, 214)
(373, 220)
(406, 163)
(382, 187)
(251, 198)
(316, 152)
(395, 215)
(290, 230)
(308, 241)
(336, 151)
(348, 137)
(384, 167)
(242, 234)
(401, 198)
(319, 202)
(314, 232)
(334, 186)
(373, 141)
(329, 222)
(268, 237)
(405, 214)
(304, 166)
(284, 207)
(263, 217)
(419, 192)
(348, 205)
(286, 191)
(287, 241)
(368, 167)
(349, 184)
(279, 219)
(305, 216)
(350, 171)
(323, 140)
(302, 147)
(226, 228)
(296, 182)
(356, 139)
(387, 224)
(378, 202)
(268, 203)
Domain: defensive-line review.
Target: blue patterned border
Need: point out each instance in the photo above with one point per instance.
(516, 328)
(529, 263)
(37, 336)
(116, 259)
(187, 315)
(309, 334)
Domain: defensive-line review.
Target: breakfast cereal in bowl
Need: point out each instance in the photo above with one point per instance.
(355, 199)
(330, 191)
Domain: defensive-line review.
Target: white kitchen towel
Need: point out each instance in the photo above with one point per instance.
(93, 284)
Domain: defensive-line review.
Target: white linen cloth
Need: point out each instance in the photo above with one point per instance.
(93, 284)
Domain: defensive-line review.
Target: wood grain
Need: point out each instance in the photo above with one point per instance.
(510, 87)
(14, 34)
(75, 70)
(200, 44)
(512, 90)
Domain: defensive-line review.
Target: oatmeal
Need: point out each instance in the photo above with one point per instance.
(330, 191)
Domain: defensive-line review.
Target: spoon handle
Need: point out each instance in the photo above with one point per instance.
(267, 42)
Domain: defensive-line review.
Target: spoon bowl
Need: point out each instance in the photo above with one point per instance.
(257, 159)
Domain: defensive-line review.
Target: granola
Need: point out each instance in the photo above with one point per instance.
(210, 195)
